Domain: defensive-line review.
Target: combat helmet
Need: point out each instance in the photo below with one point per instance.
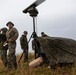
(9, 23)
(4, 29)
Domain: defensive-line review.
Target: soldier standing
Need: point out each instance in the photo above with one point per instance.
(11, 35)
(24, 45)
(3, 48)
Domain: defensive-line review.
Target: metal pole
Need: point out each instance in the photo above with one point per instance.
(34, 24)
(34, 36)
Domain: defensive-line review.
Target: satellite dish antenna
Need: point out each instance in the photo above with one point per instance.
(35, 4)
(33, 13)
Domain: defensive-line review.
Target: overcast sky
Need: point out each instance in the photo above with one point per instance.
(56, 17)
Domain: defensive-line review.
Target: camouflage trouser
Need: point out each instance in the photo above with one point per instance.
(4, 57)
(25, 55)
(11, 55)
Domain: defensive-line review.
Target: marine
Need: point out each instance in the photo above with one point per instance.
(11, 35)
(24, 45)
(3, 48)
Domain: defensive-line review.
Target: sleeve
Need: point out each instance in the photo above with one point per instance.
(16, 34)
(21, 39)
(21, 42)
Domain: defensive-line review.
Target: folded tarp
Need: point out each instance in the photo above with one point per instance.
(58, 49)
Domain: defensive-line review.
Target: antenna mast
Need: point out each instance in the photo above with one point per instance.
(33, 13)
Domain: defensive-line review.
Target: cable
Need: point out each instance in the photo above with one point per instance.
(36, 25)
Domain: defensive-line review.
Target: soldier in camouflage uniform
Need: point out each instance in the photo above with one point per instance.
(2, 48)
(12, 35)
(24, 45)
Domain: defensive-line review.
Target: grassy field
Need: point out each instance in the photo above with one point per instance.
(23, 69)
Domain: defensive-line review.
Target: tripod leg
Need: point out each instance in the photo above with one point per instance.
(20, 57)
(30, 37)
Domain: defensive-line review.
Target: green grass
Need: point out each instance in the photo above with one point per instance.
(24, 69)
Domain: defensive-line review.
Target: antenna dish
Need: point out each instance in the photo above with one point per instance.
(35, 4)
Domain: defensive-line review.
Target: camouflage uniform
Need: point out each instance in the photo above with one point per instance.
(12, 35)
(2, 48)
(24, 45)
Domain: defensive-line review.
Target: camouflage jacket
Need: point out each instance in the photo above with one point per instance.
(12, 34)
(23, 42)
